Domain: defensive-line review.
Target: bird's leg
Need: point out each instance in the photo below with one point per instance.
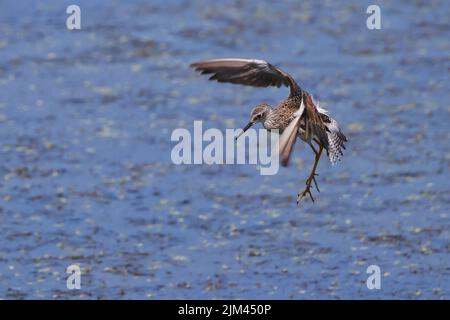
(315, 174)
(311, 178)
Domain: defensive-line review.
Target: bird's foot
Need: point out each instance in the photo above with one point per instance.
(307, 190)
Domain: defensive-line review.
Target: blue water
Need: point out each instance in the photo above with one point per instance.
(86, 176)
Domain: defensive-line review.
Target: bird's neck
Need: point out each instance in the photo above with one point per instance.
(270, 122)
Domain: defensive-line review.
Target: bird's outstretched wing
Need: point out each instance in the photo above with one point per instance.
(289, 136)
(252, 72)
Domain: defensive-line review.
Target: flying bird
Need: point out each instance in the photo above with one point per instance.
(297, 116)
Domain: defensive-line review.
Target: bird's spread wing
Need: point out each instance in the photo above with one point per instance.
(289, 136)
(258, 73)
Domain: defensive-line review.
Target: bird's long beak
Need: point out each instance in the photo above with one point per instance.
(245, 129)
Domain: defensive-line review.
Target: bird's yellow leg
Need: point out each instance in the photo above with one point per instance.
(315, 174)
(311, 178)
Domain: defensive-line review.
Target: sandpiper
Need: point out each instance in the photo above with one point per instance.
(297, 116)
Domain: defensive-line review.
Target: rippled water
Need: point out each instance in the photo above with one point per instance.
(87, 179)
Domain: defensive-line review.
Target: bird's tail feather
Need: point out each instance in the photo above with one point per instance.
(336, 140)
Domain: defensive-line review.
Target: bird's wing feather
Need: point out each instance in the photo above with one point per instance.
(289, 136)
(258, 73)
(315, 127)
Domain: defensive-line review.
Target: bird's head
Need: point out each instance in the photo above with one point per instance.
(258, 114)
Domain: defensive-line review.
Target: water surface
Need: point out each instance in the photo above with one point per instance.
(86, 175)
